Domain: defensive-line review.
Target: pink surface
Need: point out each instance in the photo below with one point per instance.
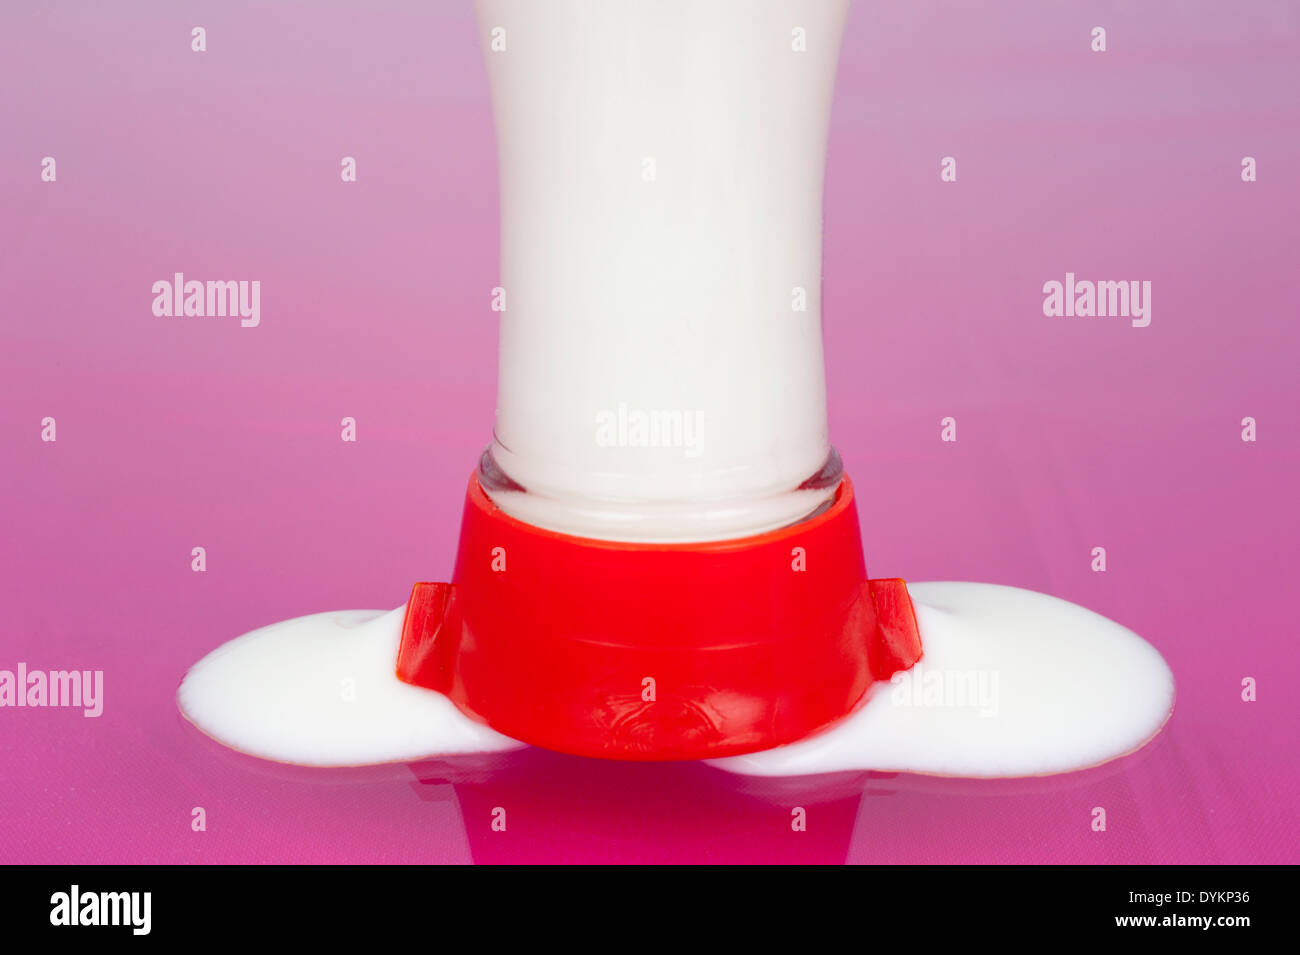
(1073, 432)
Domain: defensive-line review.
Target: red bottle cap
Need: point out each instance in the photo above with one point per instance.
(657, 651)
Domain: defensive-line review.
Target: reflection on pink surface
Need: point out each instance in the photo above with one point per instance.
(1073, 433)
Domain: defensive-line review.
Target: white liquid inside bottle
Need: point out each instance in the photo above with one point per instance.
(661, 172)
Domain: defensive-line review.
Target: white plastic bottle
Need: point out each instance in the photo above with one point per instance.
(661, 173)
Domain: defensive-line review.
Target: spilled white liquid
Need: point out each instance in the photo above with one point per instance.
(1012, 683)
(322, 691)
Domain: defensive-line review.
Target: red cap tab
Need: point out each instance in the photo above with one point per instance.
(417, 656)
(897, 643)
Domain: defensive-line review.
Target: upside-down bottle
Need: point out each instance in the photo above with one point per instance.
(660, 555)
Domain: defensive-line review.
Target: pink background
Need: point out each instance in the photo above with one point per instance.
(1073, 433)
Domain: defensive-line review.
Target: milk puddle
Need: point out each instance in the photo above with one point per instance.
(321, 691)
(1012, 683)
